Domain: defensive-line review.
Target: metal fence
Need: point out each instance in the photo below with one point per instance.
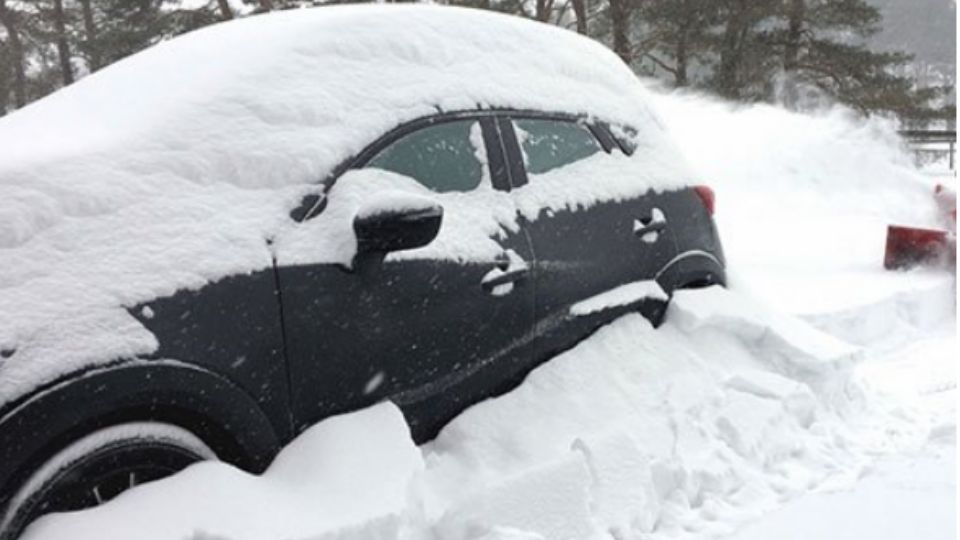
(932, 145)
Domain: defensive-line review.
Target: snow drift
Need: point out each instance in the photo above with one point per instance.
(805, 197)
(686, 431)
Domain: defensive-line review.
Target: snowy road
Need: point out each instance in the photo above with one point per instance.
(902, 497)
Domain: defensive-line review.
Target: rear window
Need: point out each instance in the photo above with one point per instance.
(551, 144)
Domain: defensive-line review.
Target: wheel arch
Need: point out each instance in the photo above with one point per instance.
(691, 269)
(208, 405)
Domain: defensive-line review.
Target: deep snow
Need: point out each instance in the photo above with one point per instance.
(687, 431)
(796, 380)
(900, 497)
(743, 402)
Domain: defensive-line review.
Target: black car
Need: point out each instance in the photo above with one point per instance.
(248, 361)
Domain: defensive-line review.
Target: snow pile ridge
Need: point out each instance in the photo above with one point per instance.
(796, 345)
(620, 296)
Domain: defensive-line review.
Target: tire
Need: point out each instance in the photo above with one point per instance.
(100, 466)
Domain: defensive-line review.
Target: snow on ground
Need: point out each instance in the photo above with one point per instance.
(903, 498)
(692, 430)
(900, 497)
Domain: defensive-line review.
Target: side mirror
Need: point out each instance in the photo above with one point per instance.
(395, 222)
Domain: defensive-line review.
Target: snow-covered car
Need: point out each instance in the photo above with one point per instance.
(222, 240)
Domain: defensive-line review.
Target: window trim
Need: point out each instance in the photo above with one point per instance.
(506, 172)
(625, 145)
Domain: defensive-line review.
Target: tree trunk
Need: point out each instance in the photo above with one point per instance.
(90, 32)
(9, 20)
(580, 12)
(4, 82)
(620, 20)
(791, 52)
(680, 75)
(543, 9)
(63, 47)
(266, 5)
(225, 10)
(731, 54)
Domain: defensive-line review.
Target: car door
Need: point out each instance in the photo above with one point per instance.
(590, 239)
(426, 327)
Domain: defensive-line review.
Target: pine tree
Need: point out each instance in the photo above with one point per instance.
(741, 48)
(125, 27)
(823, 47)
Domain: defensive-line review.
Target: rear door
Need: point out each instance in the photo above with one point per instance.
(591, 236)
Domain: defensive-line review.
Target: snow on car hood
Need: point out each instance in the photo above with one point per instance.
(172, 168)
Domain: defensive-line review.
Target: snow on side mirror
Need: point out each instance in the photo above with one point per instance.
(396, 221)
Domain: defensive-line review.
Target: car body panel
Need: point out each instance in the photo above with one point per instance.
(232, 327)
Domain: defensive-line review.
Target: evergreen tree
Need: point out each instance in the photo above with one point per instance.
(745, 50)
(741, 49)
(679, 29)
(823, 46)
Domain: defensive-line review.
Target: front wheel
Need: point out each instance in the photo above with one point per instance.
(99, 467)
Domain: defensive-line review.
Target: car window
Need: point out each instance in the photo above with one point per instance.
(550, 144)
(443, 157)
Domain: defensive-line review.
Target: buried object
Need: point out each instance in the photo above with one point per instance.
(907, 247)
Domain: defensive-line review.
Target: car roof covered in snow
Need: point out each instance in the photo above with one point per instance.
(282, 98)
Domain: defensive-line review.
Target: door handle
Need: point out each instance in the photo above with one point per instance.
(508, 269)
(649, 228)
(495, 279)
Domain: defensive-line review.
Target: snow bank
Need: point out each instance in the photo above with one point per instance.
(686, 431)
(348, 473)
(804, 199)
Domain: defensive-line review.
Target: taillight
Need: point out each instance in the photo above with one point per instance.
(707, 197)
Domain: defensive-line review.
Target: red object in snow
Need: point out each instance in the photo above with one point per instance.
(911, 246)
